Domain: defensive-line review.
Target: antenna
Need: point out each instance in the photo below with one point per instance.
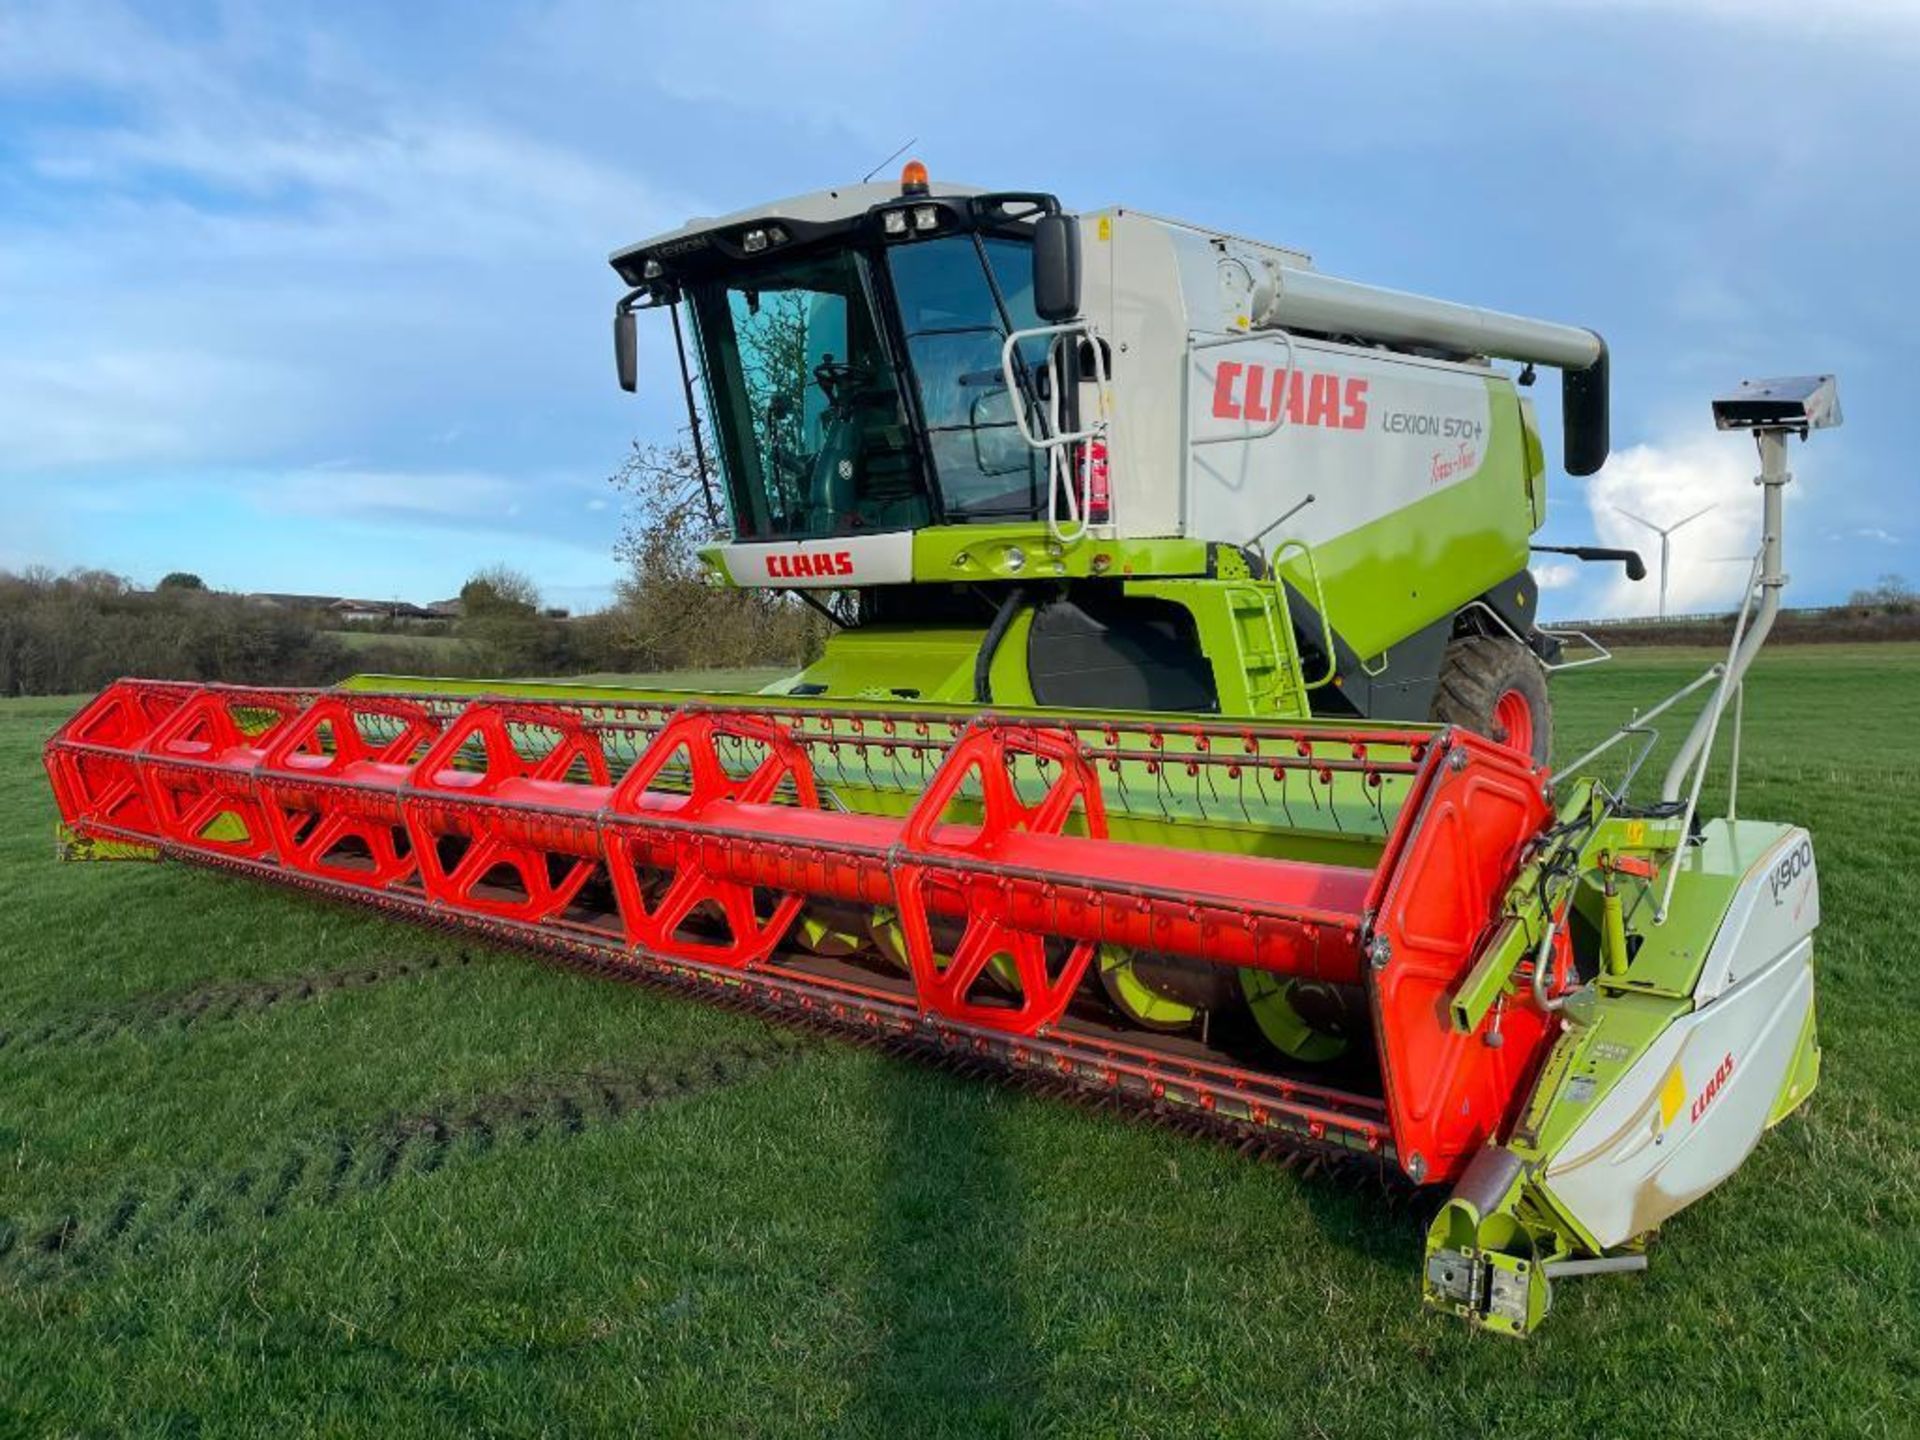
(889, 160)
(1664, 532)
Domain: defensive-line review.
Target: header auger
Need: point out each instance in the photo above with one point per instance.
(1008, 851)
(1137, 767)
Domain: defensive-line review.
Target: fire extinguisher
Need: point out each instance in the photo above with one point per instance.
(1099, 498)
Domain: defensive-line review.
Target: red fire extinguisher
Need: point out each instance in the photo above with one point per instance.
(1099, 497)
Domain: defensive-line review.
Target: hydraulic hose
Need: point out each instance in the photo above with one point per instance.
(990, 643)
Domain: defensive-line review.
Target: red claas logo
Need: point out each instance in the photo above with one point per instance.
(1714, 1086)
(1250, 392)
(810, 566)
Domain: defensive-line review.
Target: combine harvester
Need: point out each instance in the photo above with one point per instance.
(1184, 740)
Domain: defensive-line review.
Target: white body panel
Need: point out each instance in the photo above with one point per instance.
(1656, 1142)
(1365, 435)
(1779, 904)
(834, 564)
(1369, 432)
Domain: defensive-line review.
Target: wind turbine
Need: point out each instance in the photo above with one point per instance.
(1664, 532)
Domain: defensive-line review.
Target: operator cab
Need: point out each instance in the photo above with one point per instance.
(849, 345)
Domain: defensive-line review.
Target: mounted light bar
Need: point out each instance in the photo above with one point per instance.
(760, 237)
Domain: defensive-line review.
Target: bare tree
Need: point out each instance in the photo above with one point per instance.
(669, 614)
(1891, 593)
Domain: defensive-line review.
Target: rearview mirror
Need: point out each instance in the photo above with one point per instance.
(625, 354)
(1056, 268)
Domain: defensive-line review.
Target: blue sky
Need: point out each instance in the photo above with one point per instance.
(314, 296)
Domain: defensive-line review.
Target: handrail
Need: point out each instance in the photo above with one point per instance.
(1635, 725)
(1550, 666)
(1059, 464)
(1319, 602)
(1279, 418)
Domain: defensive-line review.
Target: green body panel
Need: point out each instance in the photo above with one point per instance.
(1397, 575)
(968, 553)
(1536, 462)
(1666, 959)
(933, 663)
(895, 662)
(1241, 626)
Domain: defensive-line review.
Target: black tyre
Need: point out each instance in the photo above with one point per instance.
(1494, 685)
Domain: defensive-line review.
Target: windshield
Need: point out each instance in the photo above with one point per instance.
(809, 410)
(805, 403)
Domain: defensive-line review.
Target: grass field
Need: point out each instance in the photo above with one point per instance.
(268, 1166)
(428, 646)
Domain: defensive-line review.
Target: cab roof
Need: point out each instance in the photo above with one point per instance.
(816, 211)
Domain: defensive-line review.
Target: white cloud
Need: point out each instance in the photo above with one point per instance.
(255, 240)
(1664, 484)
(1899, 17)
(443, 495)
(68, 405)
(1556, 575)
(1895, 15)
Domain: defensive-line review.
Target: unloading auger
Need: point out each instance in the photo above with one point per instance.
(1286, 913)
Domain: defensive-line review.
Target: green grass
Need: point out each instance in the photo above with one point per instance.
(429, 646)
(270, 1166)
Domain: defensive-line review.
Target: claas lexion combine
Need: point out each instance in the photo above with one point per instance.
(1183, 736)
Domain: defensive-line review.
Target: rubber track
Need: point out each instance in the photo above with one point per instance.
(215, 1001)
(320, 1172)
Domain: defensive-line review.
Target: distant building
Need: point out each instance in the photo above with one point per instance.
(373, 612)
(275, 600)
(347, 610)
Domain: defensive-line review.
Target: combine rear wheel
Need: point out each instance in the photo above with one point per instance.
(1495, 686)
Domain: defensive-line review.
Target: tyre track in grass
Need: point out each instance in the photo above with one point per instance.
(325, 1171)
(215, 1002)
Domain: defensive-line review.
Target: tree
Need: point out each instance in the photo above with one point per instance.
(499, 589)
(1891, 593)
(668, 614)
(500, 613)
(181, 580)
